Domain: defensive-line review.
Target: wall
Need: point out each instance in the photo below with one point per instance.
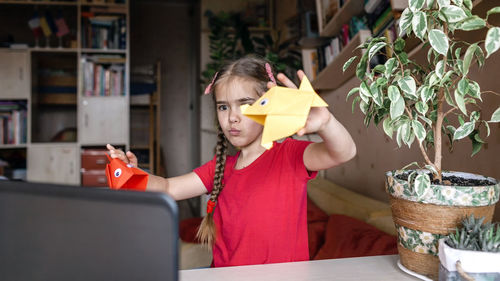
(376, 153)
(168, 30)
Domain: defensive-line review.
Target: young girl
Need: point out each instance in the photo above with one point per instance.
(256, 212)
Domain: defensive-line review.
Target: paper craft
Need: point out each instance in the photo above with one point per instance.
(124, 176)
(283, 111)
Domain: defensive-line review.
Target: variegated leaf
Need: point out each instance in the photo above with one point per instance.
(419, 24)
(492, 43)
(439, 41)
(453, 13)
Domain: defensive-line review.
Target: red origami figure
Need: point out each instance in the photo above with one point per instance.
(125, 176)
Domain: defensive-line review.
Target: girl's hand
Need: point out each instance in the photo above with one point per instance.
(128, 158)
(285, 81)
(318, 116)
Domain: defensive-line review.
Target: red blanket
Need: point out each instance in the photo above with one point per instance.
(335, 236)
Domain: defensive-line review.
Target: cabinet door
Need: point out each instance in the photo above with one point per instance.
(14, 74)
(103, 120)
(54, 163)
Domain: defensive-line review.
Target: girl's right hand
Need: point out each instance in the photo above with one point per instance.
(128, 158)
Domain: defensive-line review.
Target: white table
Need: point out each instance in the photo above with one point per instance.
(365, 268)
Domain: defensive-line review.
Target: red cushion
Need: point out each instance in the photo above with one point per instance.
(349, 237)
(316, 227)
(188, 229)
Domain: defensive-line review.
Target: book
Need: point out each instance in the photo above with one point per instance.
(310, 62)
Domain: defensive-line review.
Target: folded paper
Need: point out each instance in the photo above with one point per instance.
(125, 176)
(283, 111)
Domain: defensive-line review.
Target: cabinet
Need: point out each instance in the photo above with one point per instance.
(71, 80)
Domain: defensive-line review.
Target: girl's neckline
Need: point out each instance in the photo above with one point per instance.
(251, 164)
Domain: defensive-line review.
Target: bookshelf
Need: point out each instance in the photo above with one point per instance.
(67, 112)
(331, 77)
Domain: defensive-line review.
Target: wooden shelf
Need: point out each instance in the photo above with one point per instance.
(27, 2)
(58, 99)
(104, 51)
(53, 50)
(10, 146)
(399, 5)
(350, 9)
(331, 77)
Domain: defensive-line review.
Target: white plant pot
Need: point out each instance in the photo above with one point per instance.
(476, 264)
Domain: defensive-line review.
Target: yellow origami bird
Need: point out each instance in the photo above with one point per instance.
(283, 111)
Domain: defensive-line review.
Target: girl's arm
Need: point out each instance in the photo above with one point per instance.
(179, 188)
(337, 146)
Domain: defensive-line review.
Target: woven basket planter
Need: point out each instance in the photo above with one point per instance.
(422, 220)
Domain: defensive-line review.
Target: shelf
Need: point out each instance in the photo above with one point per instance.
(399, 5)
(10, 146)
(105, 4)
(350, 9)
(331, 77)
(104, 51)
(53, 50)
(27, 2)
(58, 99)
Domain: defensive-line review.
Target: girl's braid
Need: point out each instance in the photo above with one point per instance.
(206, 232)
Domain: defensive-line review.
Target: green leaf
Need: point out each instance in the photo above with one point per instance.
(495, 10)
(426, 93)
(443, 3)
(451, 129)
(416, 5)
(447, 97)
(421, 107)
(354, 101)
(421, 185)
(478, 138)
(487, 127)
(468, 57)
(405, 21)
(419, 24)
(375, 48)
(496, 116)
(380, 68)
(464, 130)
(399, 45)
(397, 108)
(474, 116)
(365, 90)
(351, 92)
(472, 23)
(426, 120)
(377, 96)
(476, 147)
(381, 81)
(453, 13)
(398, 136)
(348, 63)
(418, 129)
(406, 132)
(463, 86)
(439, 41)
(393, 93)
(480, 56)
(474, 90)
(492, 43)
(388, 128)
(389, 66)
(459, 99)
(363, 106)
(446, 77)
(468, 4)
(431, 168)
(440, 69)
(407, 84)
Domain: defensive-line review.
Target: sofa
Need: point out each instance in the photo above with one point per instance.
(341, 223)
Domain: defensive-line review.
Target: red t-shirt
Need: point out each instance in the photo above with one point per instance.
(261, 214)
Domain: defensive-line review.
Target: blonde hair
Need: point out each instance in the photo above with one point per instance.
(250, 68)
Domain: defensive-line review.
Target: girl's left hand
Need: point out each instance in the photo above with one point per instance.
(318, 116)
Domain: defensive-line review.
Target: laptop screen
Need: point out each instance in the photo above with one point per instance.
(54, 232)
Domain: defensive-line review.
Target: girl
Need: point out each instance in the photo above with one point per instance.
(256, 212)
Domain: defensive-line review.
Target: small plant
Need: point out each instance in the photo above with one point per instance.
(425, 102)
(475, 236)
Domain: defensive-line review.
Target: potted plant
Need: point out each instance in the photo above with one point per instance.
(421, 104)
(471, 253)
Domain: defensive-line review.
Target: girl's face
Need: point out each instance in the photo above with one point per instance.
(240, 130)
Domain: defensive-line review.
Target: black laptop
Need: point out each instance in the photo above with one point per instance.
(55, 232)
